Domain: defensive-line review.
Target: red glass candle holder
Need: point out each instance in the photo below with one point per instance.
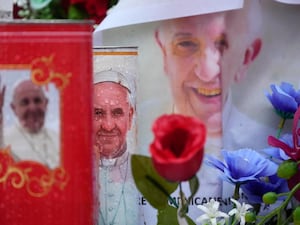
(53, 55)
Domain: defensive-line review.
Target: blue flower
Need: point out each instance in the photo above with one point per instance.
(254, 190)
(242, 165)
(285, 99)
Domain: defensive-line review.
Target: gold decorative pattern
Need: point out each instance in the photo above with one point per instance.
(29, 176)
(42, 73)
(34, 177)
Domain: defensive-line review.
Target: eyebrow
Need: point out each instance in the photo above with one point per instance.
(184, 34)
(179, 34)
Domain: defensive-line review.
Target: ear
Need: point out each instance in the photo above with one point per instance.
(250, 55)
(12, 106)
(162, 47)
(158, 41)
(47, 101)
(131, 111)
(252, 51)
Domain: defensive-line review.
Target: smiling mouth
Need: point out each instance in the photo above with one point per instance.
(107, 136)
(209, 92)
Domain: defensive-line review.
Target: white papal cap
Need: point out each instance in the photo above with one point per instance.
(129, 12)
(112, 76)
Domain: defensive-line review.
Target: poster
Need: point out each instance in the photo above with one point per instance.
(114, 123)
(250, 119)
(46, 158)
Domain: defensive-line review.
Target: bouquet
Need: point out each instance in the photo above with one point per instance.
(62, 9)
(268, 178)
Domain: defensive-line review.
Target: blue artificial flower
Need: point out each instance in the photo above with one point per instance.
(255, 189)
(285, 99)
(242, 165)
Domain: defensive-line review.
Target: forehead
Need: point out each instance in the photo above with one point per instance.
(206, 24)
(107, 92)
(27, 88)
(210, 25)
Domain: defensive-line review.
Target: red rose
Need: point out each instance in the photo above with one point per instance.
(95, 9)
(178, 146)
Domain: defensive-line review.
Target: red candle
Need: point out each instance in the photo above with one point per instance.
(47, 170)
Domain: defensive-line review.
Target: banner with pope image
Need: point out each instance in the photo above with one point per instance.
(216, 64)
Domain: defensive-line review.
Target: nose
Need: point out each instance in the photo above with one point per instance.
(208, 66)
(31, 105)
(108, 123)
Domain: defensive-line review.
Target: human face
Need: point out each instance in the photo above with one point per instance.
(29, 105)
(198, 56)
(112, 119)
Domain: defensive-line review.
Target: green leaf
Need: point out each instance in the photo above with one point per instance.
(190, 221)
(168, 216)
(112, 3)
(194, 186)
(153, 187)
(77, 12)
(284, 115)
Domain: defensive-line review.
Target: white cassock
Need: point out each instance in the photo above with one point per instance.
(42, 147)
(118, 193)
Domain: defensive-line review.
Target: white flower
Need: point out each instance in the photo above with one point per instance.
(240, 211)
(211, 210)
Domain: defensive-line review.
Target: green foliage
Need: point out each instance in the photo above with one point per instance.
(55, 10)
(194, 186)
(76, 12)
(250, 217)
(287, 169)
(168, 216)
(153, 187)
(270, 198)
(51, 11)
(284, 115)
(296, 216)
(112, 3)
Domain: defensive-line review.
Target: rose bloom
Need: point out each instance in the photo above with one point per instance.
(178, 146)
(95, 9)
